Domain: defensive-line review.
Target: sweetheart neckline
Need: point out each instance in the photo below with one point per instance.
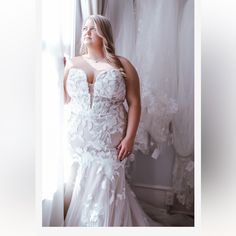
(97, 76)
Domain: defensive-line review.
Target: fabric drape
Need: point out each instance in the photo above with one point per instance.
(56, 41)
(183, 122)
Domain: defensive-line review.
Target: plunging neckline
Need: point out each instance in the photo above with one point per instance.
(92, 85)
(97, 76)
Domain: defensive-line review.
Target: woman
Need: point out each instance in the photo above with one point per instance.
(101, 132)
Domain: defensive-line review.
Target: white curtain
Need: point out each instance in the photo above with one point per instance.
(156, 62)
(122, 17)
(56, 40)
(183, 122)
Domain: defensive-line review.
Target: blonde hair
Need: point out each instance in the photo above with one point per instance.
(104, 30)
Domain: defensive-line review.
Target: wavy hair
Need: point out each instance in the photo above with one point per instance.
(104, 30)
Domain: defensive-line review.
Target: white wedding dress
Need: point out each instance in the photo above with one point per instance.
(98, 119)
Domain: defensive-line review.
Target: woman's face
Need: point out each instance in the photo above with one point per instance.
(89, 34)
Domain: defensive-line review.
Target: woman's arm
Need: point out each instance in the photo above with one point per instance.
(134, 110)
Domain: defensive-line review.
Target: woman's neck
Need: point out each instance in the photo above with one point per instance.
(95, 54)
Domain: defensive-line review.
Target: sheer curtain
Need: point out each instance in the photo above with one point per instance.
(56, 40)
(155, 59)
(165, 62)
(183, 122)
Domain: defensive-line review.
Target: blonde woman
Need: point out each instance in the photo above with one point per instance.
(101, 131)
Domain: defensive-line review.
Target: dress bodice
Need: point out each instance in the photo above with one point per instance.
(107, 92)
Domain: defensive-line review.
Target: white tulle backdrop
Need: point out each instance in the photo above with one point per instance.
(157, 37)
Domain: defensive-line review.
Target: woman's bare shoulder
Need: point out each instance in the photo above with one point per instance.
(124, 61)
(128, 66)
(75, 61)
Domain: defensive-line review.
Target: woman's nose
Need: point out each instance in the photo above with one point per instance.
(88, 31)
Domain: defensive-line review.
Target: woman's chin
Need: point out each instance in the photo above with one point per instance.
(87, 41)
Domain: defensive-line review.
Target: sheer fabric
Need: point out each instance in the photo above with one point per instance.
(56, 41)
(183, 122)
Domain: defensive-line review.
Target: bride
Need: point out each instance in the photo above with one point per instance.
(101, 132)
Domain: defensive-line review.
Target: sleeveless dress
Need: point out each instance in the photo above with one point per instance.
(101, 195)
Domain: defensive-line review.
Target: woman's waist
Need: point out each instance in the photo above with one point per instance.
(98, 110)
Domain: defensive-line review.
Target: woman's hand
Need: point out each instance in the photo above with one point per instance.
(125, 148)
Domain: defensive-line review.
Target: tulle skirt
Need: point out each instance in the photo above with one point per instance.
(101, 196)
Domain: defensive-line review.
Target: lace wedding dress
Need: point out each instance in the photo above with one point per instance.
(101, 196)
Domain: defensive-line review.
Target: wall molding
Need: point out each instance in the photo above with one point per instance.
(158, 197)
(152, 194)
(152, 186)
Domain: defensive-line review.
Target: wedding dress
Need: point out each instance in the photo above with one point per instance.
(101, 195)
